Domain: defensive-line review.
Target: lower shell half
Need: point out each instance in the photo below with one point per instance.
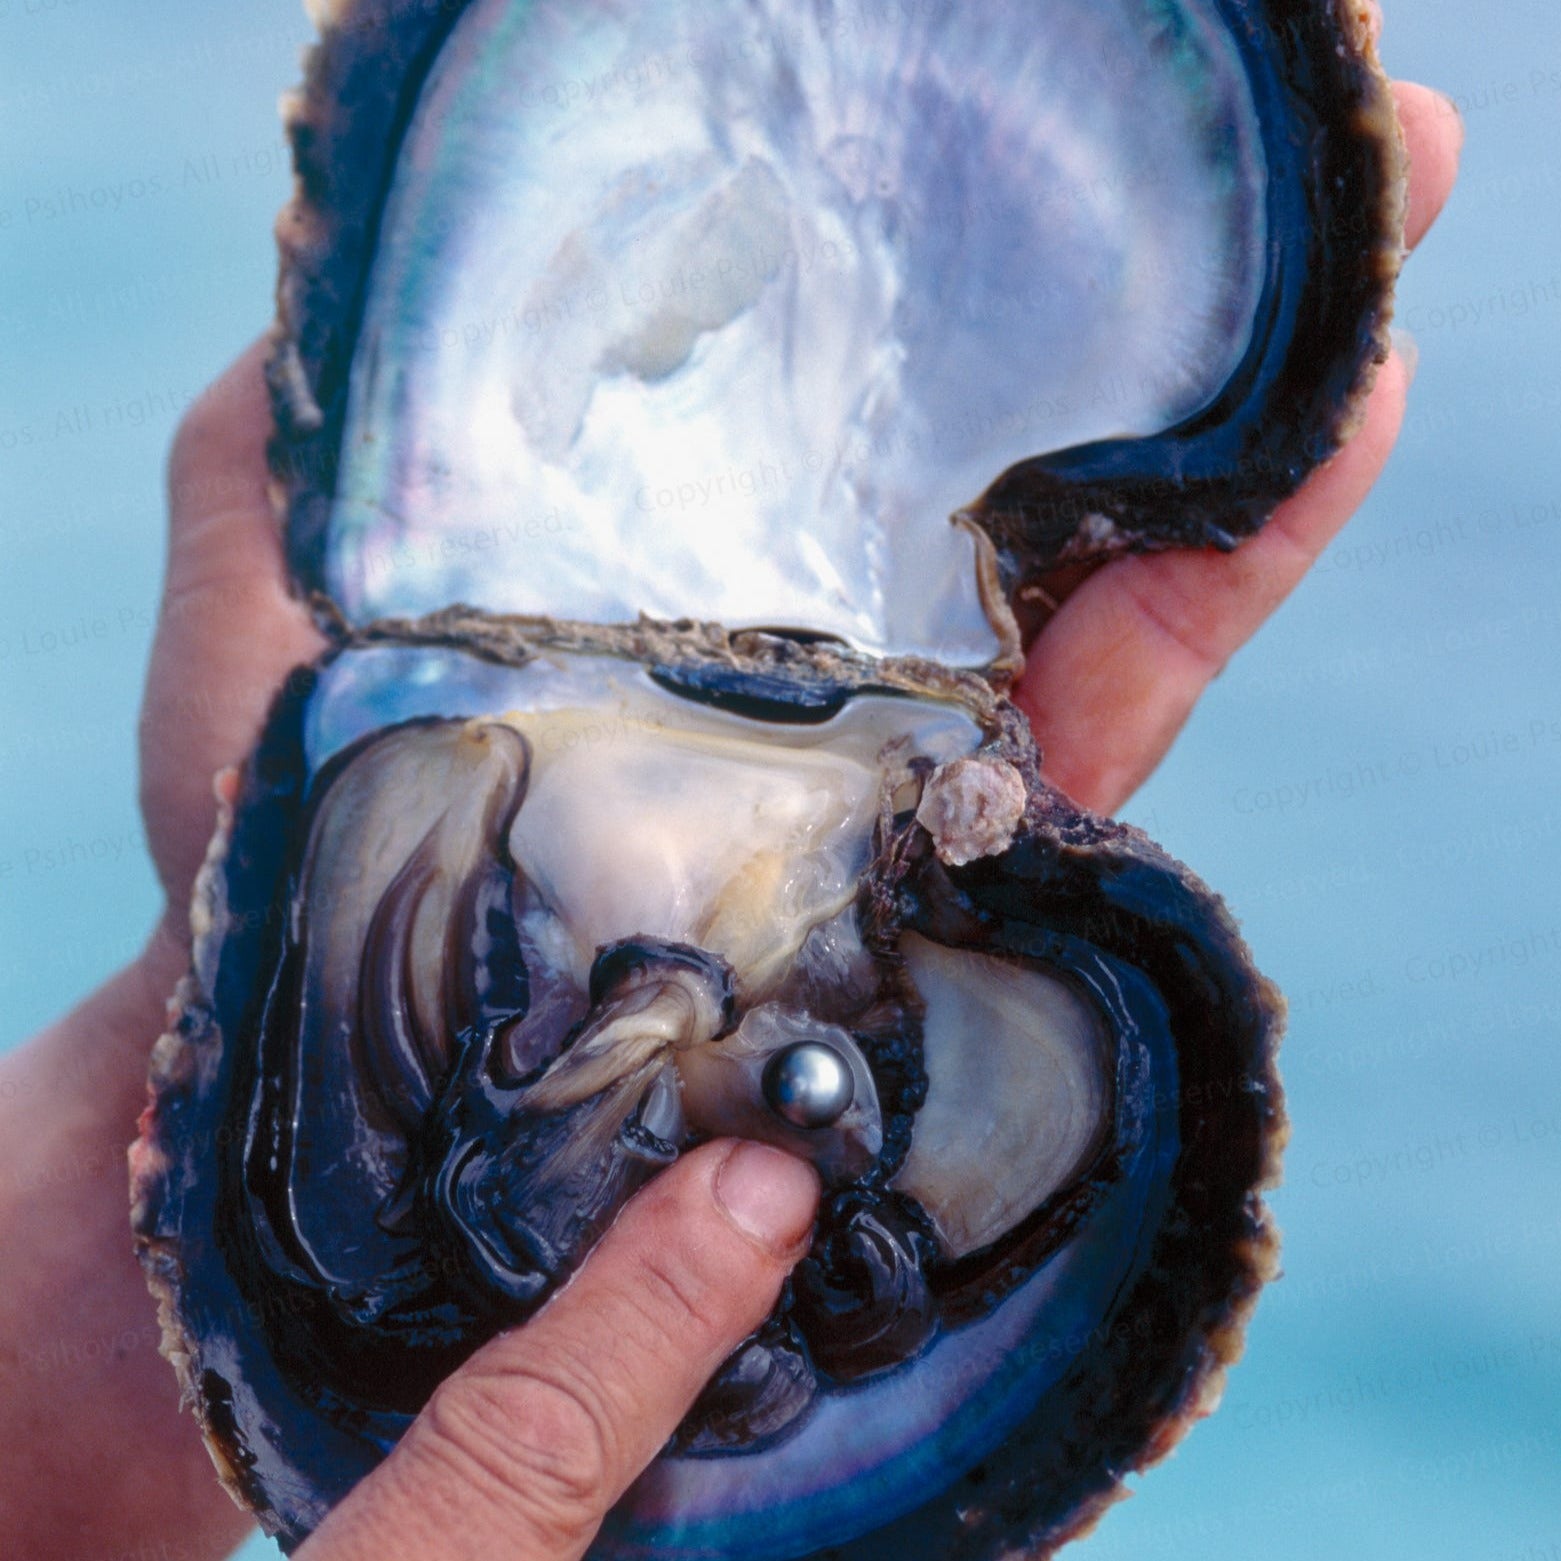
(503, 916)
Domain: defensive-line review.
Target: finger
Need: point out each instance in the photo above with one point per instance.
(1433, 138)
(520, 1454)
(224, 538)
(217, 464)
(229, 629)
(1115, 673)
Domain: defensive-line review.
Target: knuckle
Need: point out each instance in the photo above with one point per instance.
(678, 1295)
(1182, 622)
(539, 1446)
(205, 589)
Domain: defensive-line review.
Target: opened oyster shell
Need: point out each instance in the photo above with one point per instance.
(666, 341)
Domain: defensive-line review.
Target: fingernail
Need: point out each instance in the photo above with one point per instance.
(1408, 350)
(767, 1194)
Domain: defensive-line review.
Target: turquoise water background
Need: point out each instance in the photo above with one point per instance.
(1375, 784)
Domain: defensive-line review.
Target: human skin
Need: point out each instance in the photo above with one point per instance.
(532, 1441)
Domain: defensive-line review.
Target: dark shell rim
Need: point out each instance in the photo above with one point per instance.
(1080, 505)
(1115, 1437)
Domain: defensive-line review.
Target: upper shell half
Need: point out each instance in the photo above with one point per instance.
(674, 404)
(723, 311)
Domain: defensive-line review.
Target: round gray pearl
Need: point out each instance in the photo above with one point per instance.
(809, 1084)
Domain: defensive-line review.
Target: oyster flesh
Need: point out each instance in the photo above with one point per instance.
(661, 782)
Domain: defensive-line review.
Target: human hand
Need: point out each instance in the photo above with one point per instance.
(1110, 680)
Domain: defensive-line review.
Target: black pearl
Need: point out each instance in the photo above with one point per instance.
(809, 1084)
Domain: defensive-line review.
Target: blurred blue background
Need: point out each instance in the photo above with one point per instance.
(1373, 784)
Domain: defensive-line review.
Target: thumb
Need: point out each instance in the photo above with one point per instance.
(520, 1454)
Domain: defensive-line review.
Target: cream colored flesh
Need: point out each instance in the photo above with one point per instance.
(1019, 1092)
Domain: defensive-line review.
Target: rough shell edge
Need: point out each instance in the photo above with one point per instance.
(174, 1059)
